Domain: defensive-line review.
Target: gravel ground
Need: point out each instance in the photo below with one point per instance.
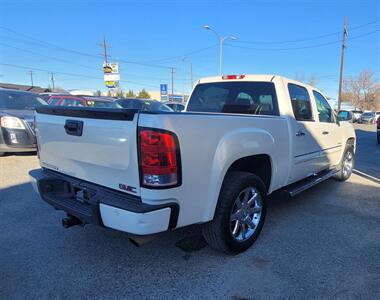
(322, 244)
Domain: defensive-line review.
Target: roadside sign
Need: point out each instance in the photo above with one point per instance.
(163, 89)
(111, 84)
(111, 74)
(164, 92)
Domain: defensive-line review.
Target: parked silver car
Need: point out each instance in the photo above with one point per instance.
(367, 117)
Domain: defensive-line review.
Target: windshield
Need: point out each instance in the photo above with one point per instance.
(368, 114)
(19, 100)
(257, 98)
(145, 105)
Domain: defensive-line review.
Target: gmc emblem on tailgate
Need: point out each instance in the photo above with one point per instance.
(127, 188)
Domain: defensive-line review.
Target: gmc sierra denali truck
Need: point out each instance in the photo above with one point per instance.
(241, 138)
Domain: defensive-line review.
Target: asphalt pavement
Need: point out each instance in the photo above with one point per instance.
(322, 244)
(368, 150)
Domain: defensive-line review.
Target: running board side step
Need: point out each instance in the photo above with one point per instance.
(300, 186)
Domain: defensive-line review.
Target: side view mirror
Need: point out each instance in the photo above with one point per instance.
(345, 115)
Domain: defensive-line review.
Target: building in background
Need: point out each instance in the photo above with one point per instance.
(168, 97)
(21, 87)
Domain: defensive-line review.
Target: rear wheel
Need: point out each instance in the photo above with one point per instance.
(346, 165)
(2, 154)
(239, 215)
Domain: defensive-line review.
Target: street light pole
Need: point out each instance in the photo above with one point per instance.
(221, 40)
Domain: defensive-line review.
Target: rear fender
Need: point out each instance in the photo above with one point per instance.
(233, 146)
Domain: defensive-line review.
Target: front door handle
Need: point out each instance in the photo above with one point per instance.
(300, 133)
(325, 132)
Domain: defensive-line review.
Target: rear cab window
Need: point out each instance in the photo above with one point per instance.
(239, 97)
(301, 104)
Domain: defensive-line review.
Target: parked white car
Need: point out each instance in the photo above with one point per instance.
(377, 115)
(356, 115)
(241, 138)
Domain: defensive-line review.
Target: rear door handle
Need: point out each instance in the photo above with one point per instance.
(300, 133)
(325, 132)
(73, 127)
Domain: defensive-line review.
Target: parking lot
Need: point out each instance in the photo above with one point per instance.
(323, 243)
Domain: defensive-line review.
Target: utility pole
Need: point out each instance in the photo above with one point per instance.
(342, 63)
(191, 76)
(172, 72)
(183, 78)
(105, 50)
(31, 77)
(52, 81)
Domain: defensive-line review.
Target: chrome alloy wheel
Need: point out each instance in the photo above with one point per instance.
(348, 163)
(245, 214)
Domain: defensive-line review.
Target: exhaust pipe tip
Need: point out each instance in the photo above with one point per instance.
(70, 221)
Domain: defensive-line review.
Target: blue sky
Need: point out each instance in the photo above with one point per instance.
(149, 37)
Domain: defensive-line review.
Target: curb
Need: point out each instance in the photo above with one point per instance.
(369, 177)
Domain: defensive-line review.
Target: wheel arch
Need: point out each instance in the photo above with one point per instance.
(258, 164)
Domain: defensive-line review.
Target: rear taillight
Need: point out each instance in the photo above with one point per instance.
(159, 158)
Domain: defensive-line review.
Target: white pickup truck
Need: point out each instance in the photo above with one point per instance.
(241, 138)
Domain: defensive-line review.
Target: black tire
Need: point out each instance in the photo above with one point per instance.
(342, 175)
(378, 138)
(217, 232)
(2, 154)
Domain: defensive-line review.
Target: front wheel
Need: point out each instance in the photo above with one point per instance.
(346, 165)
(239, 215)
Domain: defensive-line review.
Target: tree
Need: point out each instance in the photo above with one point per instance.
(313, 80)
(299, 77)
(362, 91)
(130, 94)
(143, 94)
(98, 93)
(119, 94)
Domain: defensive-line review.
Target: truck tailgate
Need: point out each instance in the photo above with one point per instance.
(103, 151)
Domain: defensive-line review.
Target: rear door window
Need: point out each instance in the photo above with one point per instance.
(301, 105)
(241, 97)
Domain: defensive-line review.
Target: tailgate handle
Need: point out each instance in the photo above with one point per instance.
(74, 127)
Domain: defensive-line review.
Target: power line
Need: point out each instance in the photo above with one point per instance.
(47, 56)
(72, 74)
(67, 61)
(59, 48)
(304, 47)
(183, 55)
(309, 38)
